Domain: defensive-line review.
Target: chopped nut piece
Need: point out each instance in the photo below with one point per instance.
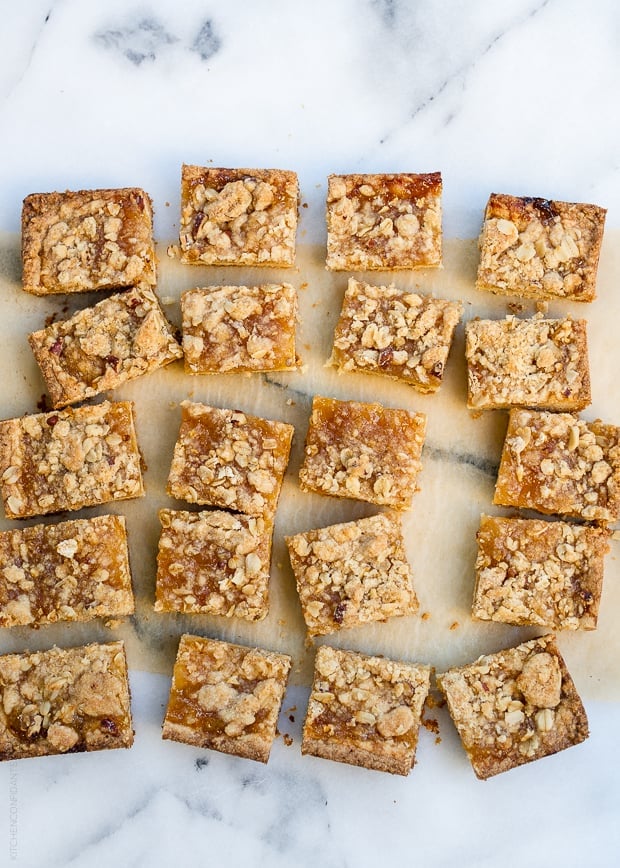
(364, 451)
(532, 363)
(86, 240)
(539, 248)
(238, 216)
(72, 571)
(239, 328)
(230, 459)
(215, 563)
(64, 700)
(514, 706)
(101, 347)
(69, 459)
(226, 697)
(384, 330)
(547, 574)
(351, 574)
(383, 221)
(365, 710)
(543, 468)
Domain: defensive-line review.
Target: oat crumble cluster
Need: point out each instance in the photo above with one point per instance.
(238, 216)
(64, 701)
(514, 706)
(534, 363)
(365, 710)
(384, 330)
(353, 573)
(87, 240)
(540, 573)
(387, 222)
(226, 697)
(539, 248)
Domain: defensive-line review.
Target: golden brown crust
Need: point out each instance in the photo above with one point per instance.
(527, 363)
(365, 710)
(540, 248)
(383, 221)
(64, 701)
(514, 706)
(226, 697)
(86, 240)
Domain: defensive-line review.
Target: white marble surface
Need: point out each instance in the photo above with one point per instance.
(514, 97)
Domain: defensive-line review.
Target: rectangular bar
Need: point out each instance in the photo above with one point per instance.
(72, 571)
(540, 248)
(383, 222)
(365, 711)
(229, 459)
(213, 563)
(64, 701)
(363, 451)
(539, 573)
(101, 347)
(557, 463)
(539, 363)
(87, 240)
(226, 697)
(238, 216)
(69, 459)
(352, 574)
(514, 706)
(397, 333)
(239, 328)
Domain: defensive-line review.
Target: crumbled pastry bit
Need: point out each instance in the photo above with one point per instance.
(229, 459)
(351, 574)
(86, 240)
(239, 328)
(514, 706)
(238, 216)
(540, 573)
(403, 335)
(383, 221)
(365, 711)
(69, 459)
(557, 463)
(226, 697)
(363, 451)
(101, 347)
(64, 701)
(538, 248)
(213, 563)
(533, 363)
(72, 571)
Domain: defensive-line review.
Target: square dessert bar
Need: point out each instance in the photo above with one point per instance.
(213, 563)
(238, 216)
(364, 451)
(101, 347)
(226, 697)
(514, 706)
(69, 459)
(365, 711)
(351, 574)
(543, 573)
(539, 248)
(86, 240)
(72, 571)
(557, 463)
(239, 328)
(533, 363)
(377, 222)
(384, 330)
(64, 701)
